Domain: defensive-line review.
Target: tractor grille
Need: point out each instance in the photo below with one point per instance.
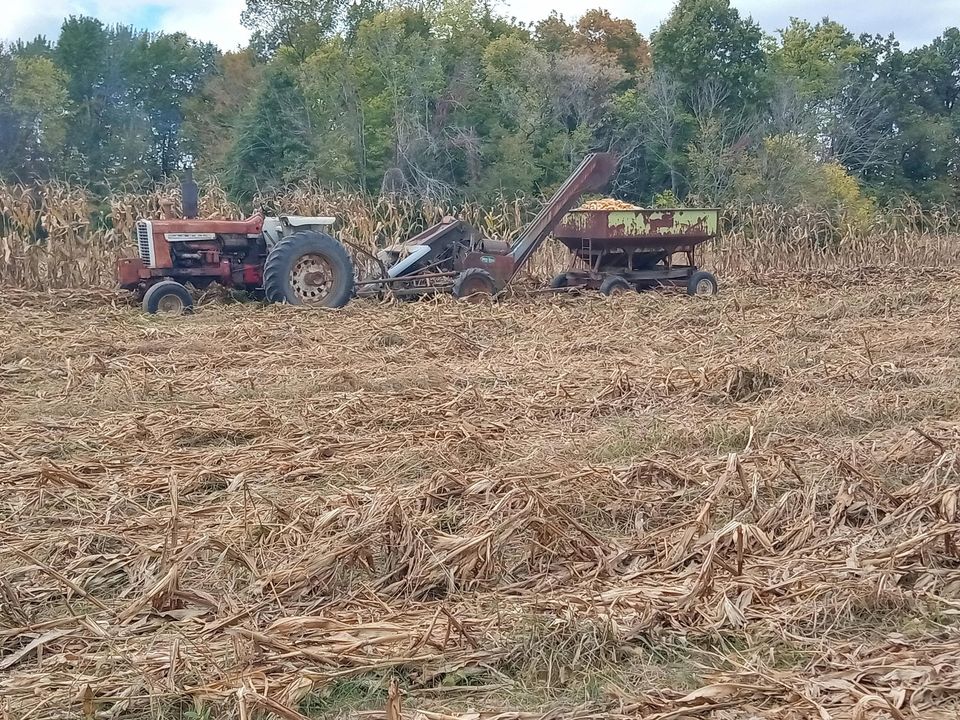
(145, 242)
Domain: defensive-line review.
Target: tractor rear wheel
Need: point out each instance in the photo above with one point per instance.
(615, 285)
(167, 297)
(474, 285)
(309, 268)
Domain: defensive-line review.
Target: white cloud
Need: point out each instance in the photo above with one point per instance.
(914, 23)
(23, 19)
(218, 21)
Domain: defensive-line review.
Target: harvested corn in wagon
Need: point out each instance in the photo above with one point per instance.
(607, 204)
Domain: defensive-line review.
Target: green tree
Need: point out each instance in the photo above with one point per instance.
(923, 88)
(38, 103)
(785, 171)
(81, 52)
(303, 25)
(396, 59)
(163, 71)
(934, 70)
(707, 41)
(516, 73)
(122, 138)
(38, 47)
(467, 114)
(127, 90)
(402, 102)
(273, 142)
(817, 56)
(553, 33)
(211, 114)
(339, 118)
(550, 106)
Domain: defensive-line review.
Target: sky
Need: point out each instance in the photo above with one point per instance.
(218, 21)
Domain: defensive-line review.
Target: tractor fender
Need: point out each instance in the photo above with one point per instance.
(276, 228)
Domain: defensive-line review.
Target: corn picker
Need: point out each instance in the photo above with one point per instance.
(453, 257)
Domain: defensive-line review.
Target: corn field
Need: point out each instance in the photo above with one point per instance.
(57, 235)
(485, 512)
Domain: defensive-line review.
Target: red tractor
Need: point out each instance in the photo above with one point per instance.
(287, 259)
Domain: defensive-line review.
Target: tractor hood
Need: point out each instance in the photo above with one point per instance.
(250, 226)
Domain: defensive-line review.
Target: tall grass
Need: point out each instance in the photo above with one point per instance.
(57, 235)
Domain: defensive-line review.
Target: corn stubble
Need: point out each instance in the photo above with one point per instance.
(516, 509)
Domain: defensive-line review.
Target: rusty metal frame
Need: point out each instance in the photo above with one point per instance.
(593, 238)
(501, 260)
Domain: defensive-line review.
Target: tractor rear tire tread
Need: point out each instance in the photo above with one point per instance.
(158, 291)
(280, 260)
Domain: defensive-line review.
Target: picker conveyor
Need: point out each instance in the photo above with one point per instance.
(452, 257)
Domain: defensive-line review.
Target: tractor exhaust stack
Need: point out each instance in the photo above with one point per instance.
(190, 196)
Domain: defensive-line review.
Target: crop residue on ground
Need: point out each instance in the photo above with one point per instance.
(653, 506)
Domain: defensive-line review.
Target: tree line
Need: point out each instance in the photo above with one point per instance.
(453, 99)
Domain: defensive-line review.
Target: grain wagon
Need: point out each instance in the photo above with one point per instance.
(614, 251)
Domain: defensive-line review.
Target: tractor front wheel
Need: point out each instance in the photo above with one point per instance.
(309, 268)
(167, 297)
(474, 285)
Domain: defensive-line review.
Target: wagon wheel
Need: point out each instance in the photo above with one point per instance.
(559, 282)
(702, 283)
(615, 285)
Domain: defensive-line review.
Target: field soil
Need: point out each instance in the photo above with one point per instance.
(556, 507)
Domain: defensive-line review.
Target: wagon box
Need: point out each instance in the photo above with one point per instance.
(638, 226)
(616, 250)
